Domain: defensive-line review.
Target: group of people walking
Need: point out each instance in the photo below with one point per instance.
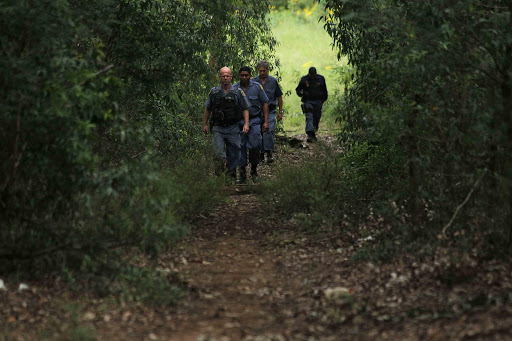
(242, 117)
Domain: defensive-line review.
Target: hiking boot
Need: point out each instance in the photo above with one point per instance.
(243, 176)
(262, 157)
(270, 158)
(254, 175)
(311, 137)
(230, 176)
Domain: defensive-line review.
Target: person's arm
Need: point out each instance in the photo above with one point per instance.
(207, 113)
(244, 106)
(265, 116)
(299, 89)
(280, 105)
(246, 120)
(324, 90)
(263, 98)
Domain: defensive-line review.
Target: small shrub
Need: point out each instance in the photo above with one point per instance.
(70, 329)
(145, 285)
(310, 192)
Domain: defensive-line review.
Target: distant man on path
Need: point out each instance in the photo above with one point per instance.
(258, 101)
(275, 99)
(226, 106)
(313, 93)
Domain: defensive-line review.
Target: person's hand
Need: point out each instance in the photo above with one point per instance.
(205, 129)
(265, 127)
(246, 128)
(279, 116)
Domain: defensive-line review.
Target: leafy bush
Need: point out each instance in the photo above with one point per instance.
(72, 329)
(135, 284)
(432, 87)
(312, 193)
(96, 98)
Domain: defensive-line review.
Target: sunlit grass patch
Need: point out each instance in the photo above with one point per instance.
(303, 44)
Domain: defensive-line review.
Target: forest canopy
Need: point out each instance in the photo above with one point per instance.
(428, 113)
(100, 107)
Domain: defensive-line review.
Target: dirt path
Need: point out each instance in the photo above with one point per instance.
(245, 287)
(234, 276)
(252, 278)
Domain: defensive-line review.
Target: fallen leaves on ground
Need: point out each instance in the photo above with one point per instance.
(254, 279)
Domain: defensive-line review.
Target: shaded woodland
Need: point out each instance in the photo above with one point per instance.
(103, 156)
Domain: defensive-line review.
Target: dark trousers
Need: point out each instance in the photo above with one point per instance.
(313, 113)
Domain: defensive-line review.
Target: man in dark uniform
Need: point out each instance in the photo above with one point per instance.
(275, 99)
(258, 101)
(313, 93)
(227, 106)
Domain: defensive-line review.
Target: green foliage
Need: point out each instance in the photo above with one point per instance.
(310, 193)
(333, 186)
(295, 5)
(46, 113)
(188, 188)
(142, 285)
(101, 108)
(432, 91)
(72, 329)
(373, 169)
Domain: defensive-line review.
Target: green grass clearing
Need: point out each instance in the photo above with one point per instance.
(304, 43)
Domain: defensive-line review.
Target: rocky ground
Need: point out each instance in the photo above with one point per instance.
(251, 277)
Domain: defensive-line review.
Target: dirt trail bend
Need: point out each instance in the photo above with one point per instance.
(252, 279)
(240, 288)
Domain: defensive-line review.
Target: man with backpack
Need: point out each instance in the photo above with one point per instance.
(313, 93)
(225, 107)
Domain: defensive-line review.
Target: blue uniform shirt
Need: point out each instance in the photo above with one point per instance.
(272, 89)
(256, 95)
(239, 94)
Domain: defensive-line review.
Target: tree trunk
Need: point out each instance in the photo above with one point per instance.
(412, 159)
(506, 89)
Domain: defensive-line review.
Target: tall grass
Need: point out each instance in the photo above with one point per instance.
(304, 43)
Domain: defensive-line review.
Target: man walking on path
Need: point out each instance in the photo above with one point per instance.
(258, 102)
(226, 105)
(313, 93)
(275, 99)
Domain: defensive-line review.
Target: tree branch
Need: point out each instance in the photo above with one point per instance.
(475, 185)
(109, 245)
(16, 157)
(14, 255)
(105, 69)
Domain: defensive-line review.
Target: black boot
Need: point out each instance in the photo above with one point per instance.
(254, 157)
(231, 176)
(254, 174)
(243, 176)
(311, 136)
(270, 158)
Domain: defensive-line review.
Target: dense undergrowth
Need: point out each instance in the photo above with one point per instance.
(425, 123)
(431, 95)
(101, 104)
(100, 139)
